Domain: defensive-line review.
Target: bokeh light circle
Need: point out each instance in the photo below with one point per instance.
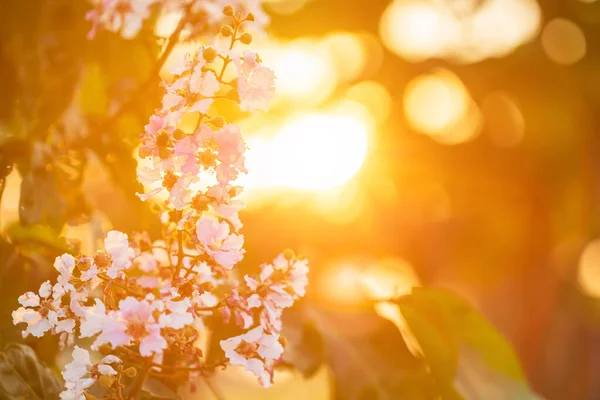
(563, 41)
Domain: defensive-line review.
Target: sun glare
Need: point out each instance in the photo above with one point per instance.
(305, 72)
(434, 102)
(311, 152)
(466, 31)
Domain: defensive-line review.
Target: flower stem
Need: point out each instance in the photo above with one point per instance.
(180, 252)
(139, 383)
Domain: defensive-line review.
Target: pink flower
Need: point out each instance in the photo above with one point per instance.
(124, 16)
(238, 307)
(146, 262)
(255, 351)
(256, 83)
(205, 84)
(178, 315)
(133, 321)
(231, 144)
(216, 240)
(271, 291)
(117, 245)
(149, 146)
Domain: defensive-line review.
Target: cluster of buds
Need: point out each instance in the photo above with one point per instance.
(126, 17)
(141, 298)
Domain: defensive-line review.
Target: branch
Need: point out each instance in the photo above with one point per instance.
(141, 378)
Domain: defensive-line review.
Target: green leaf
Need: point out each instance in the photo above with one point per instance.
(447, 328)
(22, 376)
(156, 390)
(304, 348)
(367, 355)
(93, 92)
(41, 235)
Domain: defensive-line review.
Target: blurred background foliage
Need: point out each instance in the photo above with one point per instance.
(437, 143)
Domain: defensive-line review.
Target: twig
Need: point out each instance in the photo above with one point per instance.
(141, 378)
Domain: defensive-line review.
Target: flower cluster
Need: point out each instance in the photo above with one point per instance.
(201, 16)
(143, 302)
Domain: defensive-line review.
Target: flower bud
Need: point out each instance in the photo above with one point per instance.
(200, 202)
(217, 122)
(130, 372)
(178, 134)
(246, 38)
(250, 17)
(288, 254)
(209, 54)
(228, 10)
(226, 30)
(106, 381)
(105, 349)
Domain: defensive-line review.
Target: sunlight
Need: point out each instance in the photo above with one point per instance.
(355, 282)
(589, 269)
(439, 105)
(305, 72)
(312, 152)
(434, 102)
(466, 31)
(411, 29)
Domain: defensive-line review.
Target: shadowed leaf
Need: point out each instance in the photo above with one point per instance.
(22, 376)
(154, 389)
(367, 356)
(446, 326)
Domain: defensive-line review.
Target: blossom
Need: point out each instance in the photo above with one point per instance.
(178, 315)
(80, 373)
(93, 319)
(65, 265)
(40, 313)
(256, 351)
(184, 277)
(238, 307)
(124, 16)
(256, 83)
(217, 241)
(117, 245)
(133, 321)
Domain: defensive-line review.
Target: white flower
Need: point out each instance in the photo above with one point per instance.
(117, 245)
(93, 320)
(146, 262)
(40, 313)
(255, 351)
(298, 278)
(178, 317)
(65, 265)
(80, 373)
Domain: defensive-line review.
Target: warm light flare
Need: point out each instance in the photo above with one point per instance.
(352, 282)
(435, 102)
(305, 72)
(311, 152)
(589, 269)
(467, 31)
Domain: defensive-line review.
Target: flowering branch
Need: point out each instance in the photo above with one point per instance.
(141, 299)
